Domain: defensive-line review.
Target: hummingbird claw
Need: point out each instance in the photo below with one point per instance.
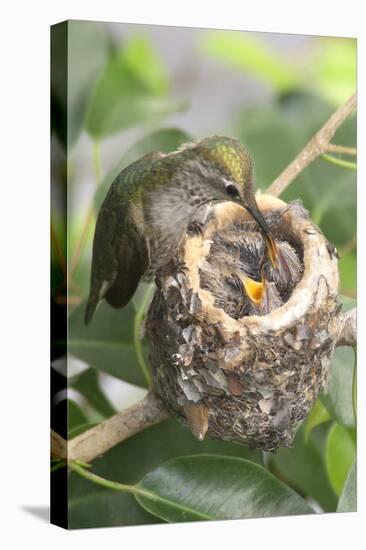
(171, 269)
(195, 228)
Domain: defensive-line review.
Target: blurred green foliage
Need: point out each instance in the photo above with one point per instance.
(340, 454)
(348, 499)
(132, 89)
(86, 49)
(329, 69)
(251, 55)
(117, 87)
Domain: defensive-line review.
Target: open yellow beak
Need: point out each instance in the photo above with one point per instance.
(253, 288)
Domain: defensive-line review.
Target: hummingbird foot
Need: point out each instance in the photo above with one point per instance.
(195, 228)
(171, 269)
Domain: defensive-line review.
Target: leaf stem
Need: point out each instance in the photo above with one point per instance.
(75, 467)
(339, 162)
(135, 490)
(58, 465)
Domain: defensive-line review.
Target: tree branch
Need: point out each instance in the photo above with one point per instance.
(58, 446)
(98, 440)
(316, 146)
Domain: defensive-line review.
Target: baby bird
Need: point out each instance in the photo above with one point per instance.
(242, 279)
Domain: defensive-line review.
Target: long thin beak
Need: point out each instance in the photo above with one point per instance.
(270, 243)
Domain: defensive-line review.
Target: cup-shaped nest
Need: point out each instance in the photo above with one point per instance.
(239, 348)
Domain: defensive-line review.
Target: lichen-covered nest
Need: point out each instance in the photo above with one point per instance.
(240, 350)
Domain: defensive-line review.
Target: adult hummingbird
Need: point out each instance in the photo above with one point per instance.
(154, 201)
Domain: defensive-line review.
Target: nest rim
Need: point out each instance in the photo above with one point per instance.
(323, 275)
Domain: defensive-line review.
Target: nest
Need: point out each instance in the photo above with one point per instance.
(243, 361)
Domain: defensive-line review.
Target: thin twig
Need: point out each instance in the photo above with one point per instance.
(315, 147)
(98, 440)
(341, 149)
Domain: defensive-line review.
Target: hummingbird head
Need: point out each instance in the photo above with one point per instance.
(221, 169)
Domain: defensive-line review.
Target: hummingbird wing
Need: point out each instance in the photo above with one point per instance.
(120, 255)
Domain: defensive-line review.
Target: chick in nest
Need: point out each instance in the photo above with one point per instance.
(241, 278)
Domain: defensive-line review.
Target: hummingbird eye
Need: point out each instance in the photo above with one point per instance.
(232, 190)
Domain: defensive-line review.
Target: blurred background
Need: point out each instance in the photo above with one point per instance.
(132, 89)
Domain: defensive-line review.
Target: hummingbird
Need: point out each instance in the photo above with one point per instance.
(152, 204)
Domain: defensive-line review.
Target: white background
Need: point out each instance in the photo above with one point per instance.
(24, 273)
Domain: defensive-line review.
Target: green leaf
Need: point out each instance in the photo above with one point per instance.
(132, 89)
(252, 55)
(106, 344)
(209, 487)
(337, 397)
(165, 140)
(348, 499)
(130, 461)
(88, 48)
(338, 394)
(339, 456)
(302, 467)
(107, 508)
(317, 415)
(139, 55)
(75, 416)
(87, 383)
(347, 303)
